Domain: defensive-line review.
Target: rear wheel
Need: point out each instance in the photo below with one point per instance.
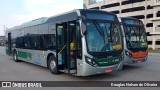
(52, 65)
(15, 56)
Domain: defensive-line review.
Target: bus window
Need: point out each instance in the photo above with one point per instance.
(34, 42)
(19, 42)
(27, 43)
(75, 38)
(73, 41)
(50, 41)
(79, 42)
(41, 42)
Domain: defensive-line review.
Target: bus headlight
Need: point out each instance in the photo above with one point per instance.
(90, 61)
(128, 53)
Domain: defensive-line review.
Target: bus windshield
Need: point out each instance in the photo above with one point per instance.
(103, 36)
(135, 36)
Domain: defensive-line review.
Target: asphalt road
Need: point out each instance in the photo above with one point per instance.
(22, 71)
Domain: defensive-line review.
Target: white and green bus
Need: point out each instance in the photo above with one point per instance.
(80, 42)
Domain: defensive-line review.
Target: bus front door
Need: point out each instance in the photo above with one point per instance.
(66, 58)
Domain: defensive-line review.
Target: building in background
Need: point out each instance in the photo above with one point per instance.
(2, 40)
(146, 10)
(88, 2)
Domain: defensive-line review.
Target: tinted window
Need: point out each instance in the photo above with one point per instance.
(50, 41)
(75, 39)
(34, 42)
(19, 42)
(37, 42)
(100, 16)
(132, 22)
(27, 42)
(46, 42)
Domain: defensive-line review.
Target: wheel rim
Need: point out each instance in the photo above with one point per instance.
(52, 65)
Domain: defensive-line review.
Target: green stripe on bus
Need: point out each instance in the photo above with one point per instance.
(106, 61)
(24, 55)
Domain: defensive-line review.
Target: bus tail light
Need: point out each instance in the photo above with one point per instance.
(108, 70)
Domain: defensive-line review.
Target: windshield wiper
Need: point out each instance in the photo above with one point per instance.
(137, 34)
(99, 29)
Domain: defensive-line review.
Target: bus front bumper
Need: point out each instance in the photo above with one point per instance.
(90, 70)
(128, 60)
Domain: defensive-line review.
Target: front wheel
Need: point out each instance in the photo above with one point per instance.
(15, 56)
(52, 65)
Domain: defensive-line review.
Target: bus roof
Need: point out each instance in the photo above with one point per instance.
(68, 16)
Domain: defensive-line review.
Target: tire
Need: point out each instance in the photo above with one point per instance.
(52, 65)
(15, 56)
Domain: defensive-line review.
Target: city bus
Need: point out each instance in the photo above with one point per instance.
(80, 42)
(135, 40)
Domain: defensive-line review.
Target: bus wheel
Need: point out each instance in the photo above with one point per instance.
(15, 56)
(52, 65)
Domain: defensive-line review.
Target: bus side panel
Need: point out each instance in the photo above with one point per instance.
(37, 57)
(31, 56)
(44, 55)
(24, 54)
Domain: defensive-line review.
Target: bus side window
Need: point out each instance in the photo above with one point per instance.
(41, 42)
(27, 42)
(34, 42)
(19, 42)
(50, 41)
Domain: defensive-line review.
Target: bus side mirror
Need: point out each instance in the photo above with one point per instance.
(84, 28)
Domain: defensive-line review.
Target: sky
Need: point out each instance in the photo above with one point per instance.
(16, 12)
